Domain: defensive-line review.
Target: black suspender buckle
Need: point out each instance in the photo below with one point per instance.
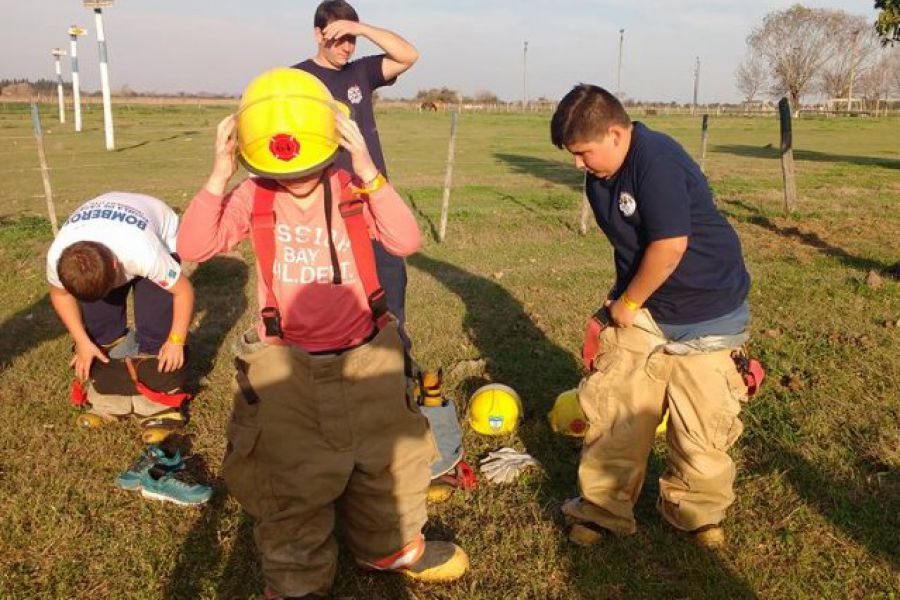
(378, 304)
(271, 317)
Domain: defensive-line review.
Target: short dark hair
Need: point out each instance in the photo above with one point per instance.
(584, 114)
(87, 270)
(333, 10)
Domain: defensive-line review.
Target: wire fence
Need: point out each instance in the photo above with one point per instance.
(415, 171)
(889, 107)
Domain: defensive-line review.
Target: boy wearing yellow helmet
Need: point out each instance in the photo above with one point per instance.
(336, 27)
(321, 424)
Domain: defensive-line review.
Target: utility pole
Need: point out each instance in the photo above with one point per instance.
(74, 32)
(696, 85)
(98, 6)
(525, 78)
(619, 78)
(57, 52)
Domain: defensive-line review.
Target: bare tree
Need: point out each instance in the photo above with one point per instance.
(876, 83)
(857, 50)
(795, 43)
(751, 77)
(895, 74)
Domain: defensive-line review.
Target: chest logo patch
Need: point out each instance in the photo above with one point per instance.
(355, 95)
(627, 204)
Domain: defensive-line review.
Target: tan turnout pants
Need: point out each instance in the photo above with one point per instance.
(624, 401)
(113, 407)
(312, 436)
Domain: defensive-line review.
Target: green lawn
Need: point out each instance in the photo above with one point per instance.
(818, 492)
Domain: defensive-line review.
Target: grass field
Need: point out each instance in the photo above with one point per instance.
(818, 492)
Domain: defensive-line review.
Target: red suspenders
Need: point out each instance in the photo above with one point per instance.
(351, 208)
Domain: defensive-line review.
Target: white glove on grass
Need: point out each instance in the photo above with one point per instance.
(505, 465)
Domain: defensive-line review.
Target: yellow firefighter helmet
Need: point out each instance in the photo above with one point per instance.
(495, 409)
(566, 417)
(286, 124)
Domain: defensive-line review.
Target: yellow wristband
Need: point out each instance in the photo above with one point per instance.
(629, 303)
(176, 339)
(373, 185)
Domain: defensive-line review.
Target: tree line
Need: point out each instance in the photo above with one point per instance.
(800, 51)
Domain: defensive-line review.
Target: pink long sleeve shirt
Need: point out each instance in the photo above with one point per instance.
(316, 315)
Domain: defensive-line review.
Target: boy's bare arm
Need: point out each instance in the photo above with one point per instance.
(401, 55)
(69, 312)
(660, 260)
(171, 353)
(225, 157)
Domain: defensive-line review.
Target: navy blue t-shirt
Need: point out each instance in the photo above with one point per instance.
(353, 85)
(661, 193)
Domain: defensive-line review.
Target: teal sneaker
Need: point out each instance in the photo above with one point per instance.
(152, 455)
(161, 484)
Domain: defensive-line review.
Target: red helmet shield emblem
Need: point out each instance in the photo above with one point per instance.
(284, 146)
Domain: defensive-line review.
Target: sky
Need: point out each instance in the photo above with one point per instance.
(469, 45)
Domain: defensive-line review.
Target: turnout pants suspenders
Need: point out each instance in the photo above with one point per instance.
(351, 208)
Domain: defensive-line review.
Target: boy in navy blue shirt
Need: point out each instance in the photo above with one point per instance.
(353, 82)
(674, 317)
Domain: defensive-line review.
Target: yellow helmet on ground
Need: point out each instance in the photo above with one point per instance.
(566, 417)
(495, 409)
(286, 124)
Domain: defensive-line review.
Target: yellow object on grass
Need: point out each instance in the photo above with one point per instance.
(287, 124)
(567, 418)
(495, 409)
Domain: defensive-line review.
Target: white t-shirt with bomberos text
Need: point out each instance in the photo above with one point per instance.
(139, 230)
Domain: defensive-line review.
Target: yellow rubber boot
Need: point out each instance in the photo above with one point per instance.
(90, 421)
(711, 538)
(441, 562)
(439, 492)
(156, 428)
(431, 388)
(583, 535)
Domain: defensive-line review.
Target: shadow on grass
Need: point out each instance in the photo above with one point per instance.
(553, 171)
(424, 216)
(31, 326)
(21, 238)
(809, 155)
(201, 551)
(221, 311)
(558, 221)
(861, 499)
(165, 139)
(520, 355)
(807, 238)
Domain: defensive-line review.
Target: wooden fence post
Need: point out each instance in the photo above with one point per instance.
(45, 172)
(787, 156)
(448, 178)
(704, 136)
